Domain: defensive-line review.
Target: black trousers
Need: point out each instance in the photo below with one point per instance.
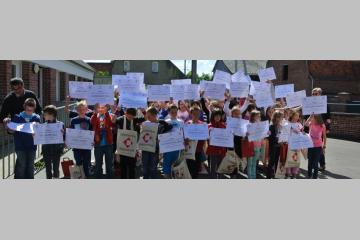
(127, 167)
(274, 154)
(52, 162)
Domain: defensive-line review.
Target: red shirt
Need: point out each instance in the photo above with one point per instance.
(215, 150)
(108, 125)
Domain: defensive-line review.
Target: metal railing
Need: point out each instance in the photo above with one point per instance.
(7, 151)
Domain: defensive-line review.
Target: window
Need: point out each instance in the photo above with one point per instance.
(57, 86)
(126, 66)
(16, 70)
(155, 67)
(285, 73)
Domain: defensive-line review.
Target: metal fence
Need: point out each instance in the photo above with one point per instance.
(7, 151)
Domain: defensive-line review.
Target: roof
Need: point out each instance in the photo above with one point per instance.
(83, 64)
(248, 66)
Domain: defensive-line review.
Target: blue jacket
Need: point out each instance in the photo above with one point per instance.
(24, 141)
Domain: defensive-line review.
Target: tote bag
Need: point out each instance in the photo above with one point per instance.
(126, 141)
(77, 172)
(294, 158)
(180, 169)
(229, 163)
(190, 150)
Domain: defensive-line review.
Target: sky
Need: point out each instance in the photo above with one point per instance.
(203, 66)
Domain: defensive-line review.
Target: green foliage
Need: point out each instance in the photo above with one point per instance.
(203, 76)
(103, 74)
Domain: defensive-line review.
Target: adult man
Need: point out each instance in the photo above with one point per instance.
(14, 101)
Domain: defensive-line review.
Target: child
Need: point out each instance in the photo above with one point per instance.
(150, 159)
(236, 113)
(171, 157)
(274, 146)
(52, 152)
(200, 158)
(82, 156)
(183, 112)
(255, 116)
(295, 128)
(215, 153)
(128, 164)
(24, 142)
(317, 132)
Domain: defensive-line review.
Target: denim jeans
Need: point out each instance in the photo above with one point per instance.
(52, 162)
(252, 163)
(83, 157)
(24, 166)
(100, 152)
(314, 155)
(150, 161)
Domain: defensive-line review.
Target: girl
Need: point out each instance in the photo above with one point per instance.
(183, 112)
(246, 114)
(215, 153)
(317, 132)
(274, 146)
(255, 116)
(235, 113)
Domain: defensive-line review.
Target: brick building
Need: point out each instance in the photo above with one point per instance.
(48, 79)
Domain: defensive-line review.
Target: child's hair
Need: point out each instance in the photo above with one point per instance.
(235, 108)
(81, 103)
(276, 118)
(253, 115)
(30, 102)
(173, 107)
(292, 113)
(131, 111)
(194, 108)
(319, 90)
(152, 110)
(214, 103)
(214, 113)
(318, 119)
(51, 110)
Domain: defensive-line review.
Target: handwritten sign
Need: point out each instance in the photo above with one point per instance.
(159, 92)
(221, 137)
(79, 139)
(314, 104)
(263, 94)
(191, 92)
(196, 131)
(237, 125)
(258, 131)
(240, 76)
(21, 127)
(177, 91)
(171, 141)
(283, 90)
(180, 81)
(48, 133)
(102, 94)
(215, 90)
(295, 99)
(300, 141)
(239, 89)
(126, 84)
(266, 74)
(133, 100)
(79, 89)
(222, 77)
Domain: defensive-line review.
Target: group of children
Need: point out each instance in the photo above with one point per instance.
(106, 120)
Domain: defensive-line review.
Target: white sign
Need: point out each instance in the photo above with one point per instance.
(263, 94)
(125, 83)
(180, 81)
(237, 125)
(102, 94)
(196, 131)
(239, 89)
(177, 91)
(295, 99)
(300, 141)
(21, 127)
(159, 92)
(222, 77)
(171, 141)
(48, 133)
(79, 89)
(133, 100)
(221, 137)
(282, 90)
(258, 131)
(79, 139)
(240, 76)
(137, 76)
(284, 132)
(215, 90)
(191, 92)
(314, 104)
(266, 74)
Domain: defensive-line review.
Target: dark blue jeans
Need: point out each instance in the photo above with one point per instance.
(83, 157)
(313, 164)
(100, 152)
(24, 166)
(149, 162)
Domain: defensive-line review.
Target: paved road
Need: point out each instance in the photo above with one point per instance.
(342, 161)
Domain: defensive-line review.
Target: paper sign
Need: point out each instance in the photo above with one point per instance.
(300, 141)
(222, 77)
(126, 84)
(282, 90)
(196, 131)
(191, 92)
(79, 139)
(102, 94)
(314, 104)
(180, 81)
(79, 89)
(158, 92)
(177, 91)
(171, 141)
(237, 125)
(137, 76)
(133, 100)
(215, 90)
(240, 76)
(48, 133)
(263, 94)
(239, 89)
(266, 74)
(295, 99)
(284, 133)
(258, 131)
(21, 127)
(221, 137)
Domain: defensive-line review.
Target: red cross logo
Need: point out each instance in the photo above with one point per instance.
(127, 142)
(146, 137)
(294, 156)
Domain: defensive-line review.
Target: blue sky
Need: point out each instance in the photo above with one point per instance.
(203, 66)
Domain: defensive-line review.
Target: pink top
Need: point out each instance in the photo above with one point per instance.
(183, 115)
(316, 134)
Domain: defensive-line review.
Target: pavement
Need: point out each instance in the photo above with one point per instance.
(342, 162)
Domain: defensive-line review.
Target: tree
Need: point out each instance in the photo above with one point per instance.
(203, 76)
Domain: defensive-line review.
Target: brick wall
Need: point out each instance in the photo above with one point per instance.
(30, 78)
(49, 85)
(345, 126)
(5, 76)
(64, 85)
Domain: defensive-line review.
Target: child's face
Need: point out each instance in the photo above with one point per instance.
(217, 118)
(236, 114)
(48, 117)
(173, 113)
(29, 110)
(182, 105)
(151, 117)
(82, 110)
(195, 114)
(257, 118)
(101, 109)
(296, 117)
(129, 116)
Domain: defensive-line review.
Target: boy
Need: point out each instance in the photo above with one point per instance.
(52, 152)
(101, 122)
(24, 142)
(150, 159)
(82, 156)
(171, 157)
(128, 164)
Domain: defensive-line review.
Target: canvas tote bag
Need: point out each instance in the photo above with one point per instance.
(126, 141)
